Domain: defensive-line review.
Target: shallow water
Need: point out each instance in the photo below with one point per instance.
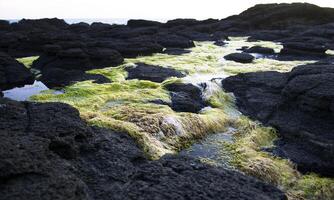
(25, 92)
(211, 149)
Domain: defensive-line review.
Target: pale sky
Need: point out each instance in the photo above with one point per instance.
(145, 9)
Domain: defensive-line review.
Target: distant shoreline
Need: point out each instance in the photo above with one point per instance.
(92, 20)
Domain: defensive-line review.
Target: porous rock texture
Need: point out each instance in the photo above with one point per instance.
(300, 104)
(12, 73)
(48, 152)
(153, 73)
(186, 97)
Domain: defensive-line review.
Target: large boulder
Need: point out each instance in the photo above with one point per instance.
(186, 97)
(240, 57)
(303, 49)
(139, 46)
(48, 152)
(153, 73)
(77, 55)
(170, 40)
(281, 16)
(13, 73)
(300, 105)
(261, 50)
(135, 23)
(46, 24)
(58, 77)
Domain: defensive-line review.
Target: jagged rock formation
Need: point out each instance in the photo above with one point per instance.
(48, 152)
(13, 73)
(153, 73)
(300, 105)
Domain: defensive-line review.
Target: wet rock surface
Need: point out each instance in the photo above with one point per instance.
(240, 57)
(186, 97)
(300, 105)
(48, 152)
(13, 73)
(153, 73)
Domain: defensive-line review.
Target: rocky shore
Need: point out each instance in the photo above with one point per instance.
(98, 146)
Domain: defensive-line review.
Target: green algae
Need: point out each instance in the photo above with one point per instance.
(248, 156)
(125, 106)
(27, 61)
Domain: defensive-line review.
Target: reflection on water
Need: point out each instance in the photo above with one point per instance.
(23, 93)
(211, 149)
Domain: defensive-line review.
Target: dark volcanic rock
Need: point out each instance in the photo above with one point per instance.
(261, 50)
(13, 73)
(240, 57)
(303, 49)
(174, 41)
(300, 105)
(134, 23)
(75, 55)
(176, 51)
(281, 16)
(153, 73)
(186, 97)
(220, 43)
(47, 149)
(133, 47)
(57, 77)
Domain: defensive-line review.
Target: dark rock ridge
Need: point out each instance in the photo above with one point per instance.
(186, 97)
(57, 77)
(300, 105)
(176, 51)
(240, 57)
(153, 73)
(302, 28)
(48, 152)
(282, 16)
(303, 49)
(12, 73)
(259, 49)
(77, 55)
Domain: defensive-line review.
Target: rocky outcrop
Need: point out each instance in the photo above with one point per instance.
(12, 73)
(66, 62)
(153, 73)
(303, 49)
(281, 16)
(259, 49)
(240, 57)
(134, 23)
(176, 51)
(58, 77)
(76, 55)
(48, 152)
(186, 97)
(300, 105)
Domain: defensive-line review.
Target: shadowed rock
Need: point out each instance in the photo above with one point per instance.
(300, 105)
(261, 50)
(142, 23)
(12, 73)
(240, 57)
(302, 49)
(176, 51)
(153, 73)
(186, 97)
(57, 77)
